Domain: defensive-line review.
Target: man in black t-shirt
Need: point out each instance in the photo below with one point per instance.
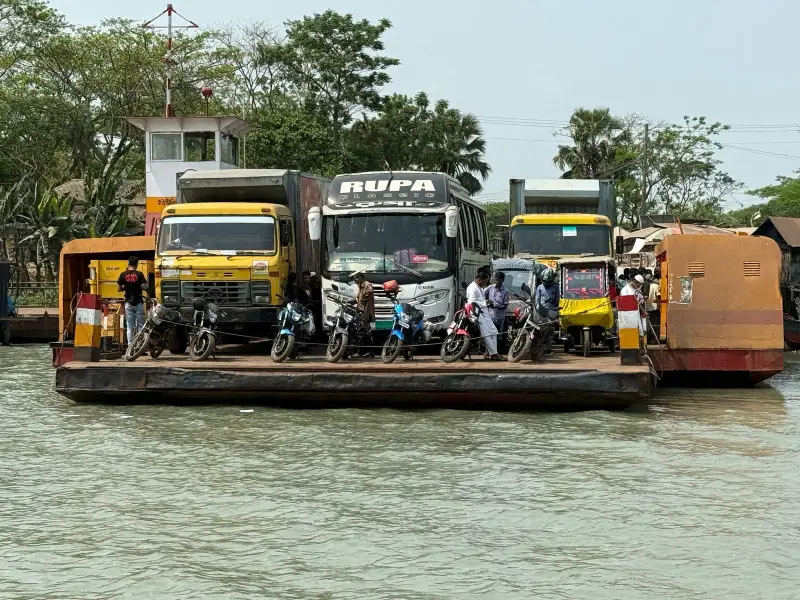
(133, 283)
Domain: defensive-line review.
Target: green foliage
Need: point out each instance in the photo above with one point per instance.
(497, 214)
(779, 200)
(314, 95)
(408, 135)
(332, 64)
(678, 173)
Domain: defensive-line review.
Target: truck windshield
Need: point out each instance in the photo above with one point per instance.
(217, 235)
(561, 240)
(385, 243)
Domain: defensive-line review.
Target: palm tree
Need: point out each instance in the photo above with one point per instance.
(458, 145)
(597, 136)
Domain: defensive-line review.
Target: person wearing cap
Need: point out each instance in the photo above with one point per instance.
(634, 288)
(133, 282)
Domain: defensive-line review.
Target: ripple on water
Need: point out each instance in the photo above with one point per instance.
(695, 498)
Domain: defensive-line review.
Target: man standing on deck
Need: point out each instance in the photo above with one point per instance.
(498, 294)
(476, 296)
(133, 283)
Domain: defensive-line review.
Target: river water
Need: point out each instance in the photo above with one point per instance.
(695, 497)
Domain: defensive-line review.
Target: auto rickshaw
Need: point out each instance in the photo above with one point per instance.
(517, 272)
(588, 289)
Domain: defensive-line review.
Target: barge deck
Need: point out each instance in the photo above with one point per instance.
(560, 381)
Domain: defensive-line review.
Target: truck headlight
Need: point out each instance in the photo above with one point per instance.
(432, 297)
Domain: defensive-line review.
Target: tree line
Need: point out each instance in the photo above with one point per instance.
(313, 90)
(663, 168)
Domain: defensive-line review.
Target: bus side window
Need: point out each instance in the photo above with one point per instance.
(466, 230)
(482, 231)
(473, 221)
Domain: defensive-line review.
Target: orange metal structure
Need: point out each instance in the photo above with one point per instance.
(721, 311)
(73, 278)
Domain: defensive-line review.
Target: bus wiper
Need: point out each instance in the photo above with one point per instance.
(409, 269)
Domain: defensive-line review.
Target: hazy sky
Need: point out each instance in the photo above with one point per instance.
(534, 60)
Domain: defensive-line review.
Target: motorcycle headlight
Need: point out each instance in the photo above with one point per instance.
(405, 318)
(432, 297)
(295, 316)
(347, 317)
(213, 313)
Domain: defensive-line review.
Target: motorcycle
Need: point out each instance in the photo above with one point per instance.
(203, 337)
(463, 334)
(294, 321)
(158, 331)
(408, 328)
(348, 331)
(533, 333)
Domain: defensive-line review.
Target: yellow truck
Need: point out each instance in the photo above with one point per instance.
(232, 238)
(547, 238)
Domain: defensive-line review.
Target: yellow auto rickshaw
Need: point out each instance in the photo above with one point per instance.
(588, 292)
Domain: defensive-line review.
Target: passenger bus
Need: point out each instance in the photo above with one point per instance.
(421, 229)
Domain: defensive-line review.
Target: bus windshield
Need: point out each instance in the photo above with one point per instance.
(217, 235)
(385, 243)
(561, 240)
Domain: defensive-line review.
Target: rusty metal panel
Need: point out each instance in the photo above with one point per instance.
(722, 292)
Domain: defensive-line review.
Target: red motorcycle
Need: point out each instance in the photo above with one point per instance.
(463, 334)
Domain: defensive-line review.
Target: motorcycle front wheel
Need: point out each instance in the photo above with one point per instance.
(138, 346)
(454, 347)
(337, 346)
(282, 347)
(520, 347)
(391, 349)
(202, 346)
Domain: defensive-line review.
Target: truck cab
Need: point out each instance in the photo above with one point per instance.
(547, 238)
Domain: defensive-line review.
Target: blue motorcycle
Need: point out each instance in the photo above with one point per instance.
(294, 320)
(409, 328)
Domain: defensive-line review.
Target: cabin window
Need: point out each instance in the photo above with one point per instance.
(165, 146)
(199, 146)
(229, 149)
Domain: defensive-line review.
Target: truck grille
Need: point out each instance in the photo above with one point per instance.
(224, 293)
(384, 308)
(170, 292)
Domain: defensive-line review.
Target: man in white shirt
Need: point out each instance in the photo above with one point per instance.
(488, 330)
(634, 288)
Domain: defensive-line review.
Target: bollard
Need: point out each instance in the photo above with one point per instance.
(88, 326)
(628, 325)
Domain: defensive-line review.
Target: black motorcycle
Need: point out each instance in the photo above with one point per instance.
(533, 333)
(203, 336)
(349, 331)
(295, 324)
(160, 329)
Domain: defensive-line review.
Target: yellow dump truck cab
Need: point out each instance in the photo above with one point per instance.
(547, 238)
(235, 254)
